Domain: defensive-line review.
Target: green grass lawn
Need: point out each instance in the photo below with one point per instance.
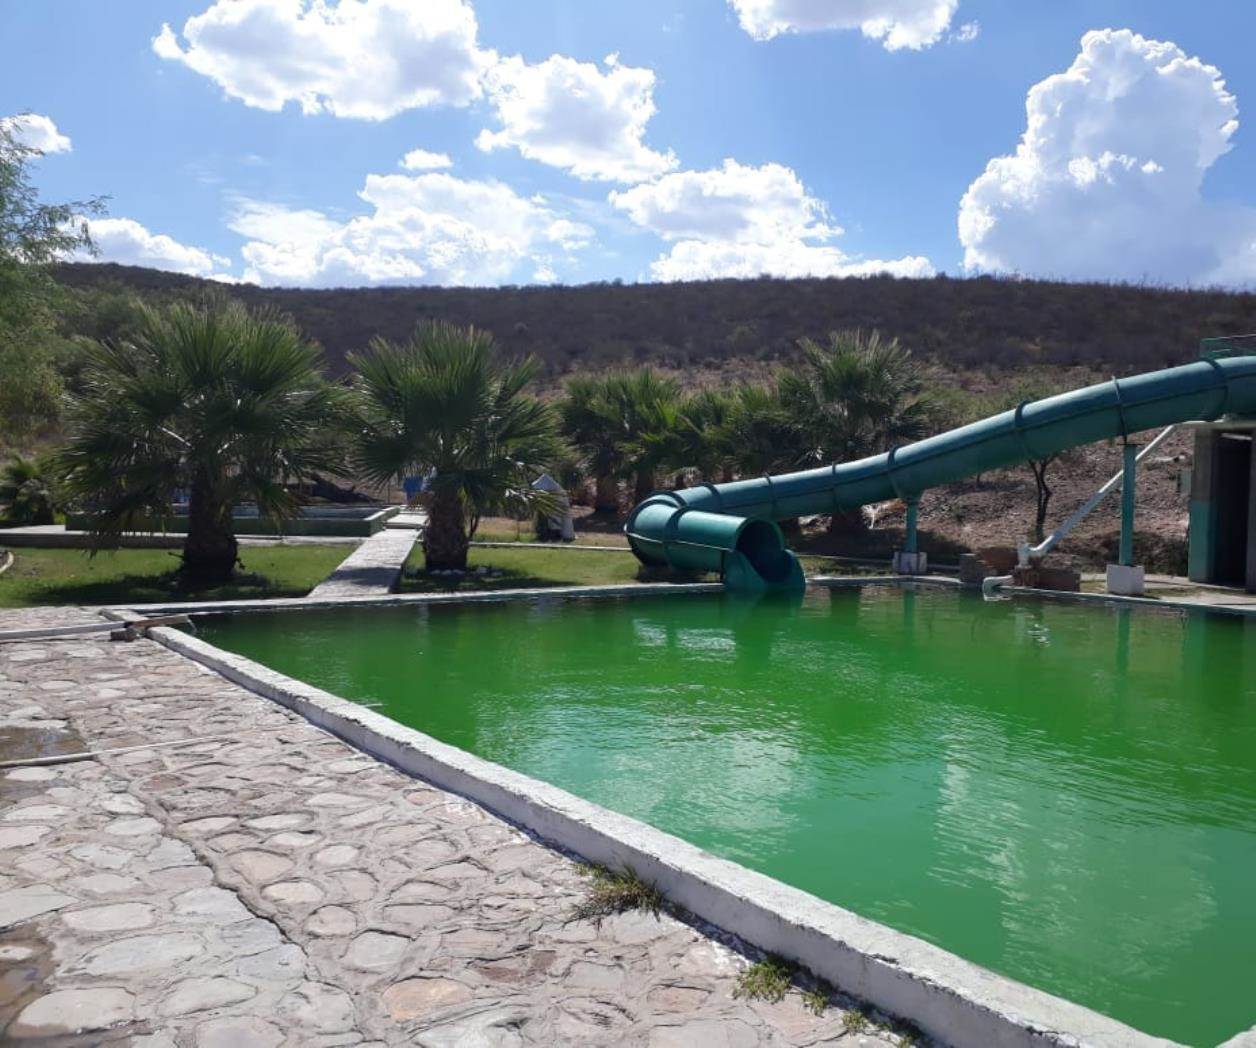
(143, 576)
(533, 568)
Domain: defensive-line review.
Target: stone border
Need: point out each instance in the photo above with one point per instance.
(946, 997)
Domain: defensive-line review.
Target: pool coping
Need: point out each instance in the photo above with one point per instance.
(946, 997)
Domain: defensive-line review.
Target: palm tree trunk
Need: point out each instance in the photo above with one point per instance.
(210, 550)
(445, 537)
(644, 484)
(607, 498)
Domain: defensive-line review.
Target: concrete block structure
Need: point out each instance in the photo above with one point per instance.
(1222, 510)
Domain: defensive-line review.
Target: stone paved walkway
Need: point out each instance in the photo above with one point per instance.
(279, 888)
(372, 569)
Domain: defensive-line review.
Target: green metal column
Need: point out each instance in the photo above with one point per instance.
(1127, 506)
(910, 543)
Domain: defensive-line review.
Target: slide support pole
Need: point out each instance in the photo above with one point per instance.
(1127, 505)
(913, 506)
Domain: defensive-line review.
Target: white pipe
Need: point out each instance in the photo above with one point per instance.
(1025, 552)
(991, 583)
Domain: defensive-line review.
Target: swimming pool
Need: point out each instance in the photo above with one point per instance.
(1065, 794)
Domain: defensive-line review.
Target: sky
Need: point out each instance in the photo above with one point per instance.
(326, 143)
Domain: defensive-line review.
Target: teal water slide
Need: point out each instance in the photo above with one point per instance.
(731, 528)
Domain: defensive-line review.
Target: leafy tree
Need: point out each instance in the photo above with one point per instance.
(857, 395)
(212, 400)
(1036, 387)
(33, 236)
(28, 491)
(446, 407)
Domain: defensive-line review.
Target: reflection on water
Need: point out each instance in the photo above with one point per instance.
(1066, 794)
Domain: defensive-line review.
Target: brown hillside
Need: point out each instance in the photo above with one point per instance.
(970, 324)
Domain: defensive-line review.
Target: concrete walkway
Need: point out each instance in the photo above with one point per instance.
(271, 886)
(372, 569)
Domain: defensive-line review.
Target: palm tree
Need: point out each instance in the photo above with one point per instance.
(445, 407)
(589, 423)
(212, 400)
(856, 396)
(646, 405)
(27, 491)
(759, 433)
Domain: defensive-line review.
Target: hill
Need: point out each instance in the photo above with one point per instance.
(981, 323)
(981, 335)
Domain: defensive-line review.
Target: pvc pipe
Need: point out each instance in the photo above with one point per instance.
(1028, 553)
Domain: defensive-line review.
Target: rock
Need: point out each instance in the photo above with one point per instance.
(286, 961)
(198, 995)
(336, 855)
(217, 905)
(261, 867)
(73, 1011)
(22, 836)
(142, 952)
(37, 813)
(331, 921)
(415, 998)
(21, 904)
(207, 827)
(318, 1007)
(376, 951)
(123, 916)
(104, 884)
(294, 893)
(132, 827)
(102, 856)
(494, 1027)
(710, 1033)
(282, 821)
(237, 1032)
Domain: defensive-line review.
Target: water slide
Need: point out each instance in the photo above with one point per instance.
(731, 528)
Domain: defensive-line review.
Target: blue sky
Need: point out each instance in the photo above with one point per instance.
(851, 145)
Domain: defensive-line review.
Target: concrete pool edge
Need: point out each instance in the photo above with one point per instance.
(947, 997)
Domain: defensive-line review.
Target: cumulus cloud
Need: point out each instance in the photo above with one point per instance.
(588, 120)
(125, 241)
(897, 24)
(432, 229)
(742, 221)
(1106, 181)
(365, 59)
(423, 160)
(35, 131)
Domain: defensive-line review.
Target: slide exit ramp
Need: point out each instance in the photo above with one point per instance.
(730, 528)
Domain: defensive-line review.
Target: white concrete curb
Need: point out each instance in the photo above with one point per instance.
(946, 997)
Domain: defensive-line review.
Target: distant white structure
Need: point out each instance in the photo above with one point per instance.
(558, 525)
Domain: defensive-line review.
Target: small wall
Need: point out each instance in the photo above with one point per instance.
(330, 523)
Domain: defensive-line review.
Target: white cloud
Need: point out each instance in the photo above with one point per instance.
(576, 116)
(1106, 181)
(431, 229)
(365, 59)
(35, 131)
(741, 221)
(129, 243)
(967, 33)
(423, 160)
(896, 23)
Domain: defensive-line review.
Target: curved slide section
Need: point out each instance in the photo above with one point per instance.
(730, 528)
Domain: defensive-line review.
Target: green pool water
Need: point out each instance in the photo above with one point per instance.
(1065, 794)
